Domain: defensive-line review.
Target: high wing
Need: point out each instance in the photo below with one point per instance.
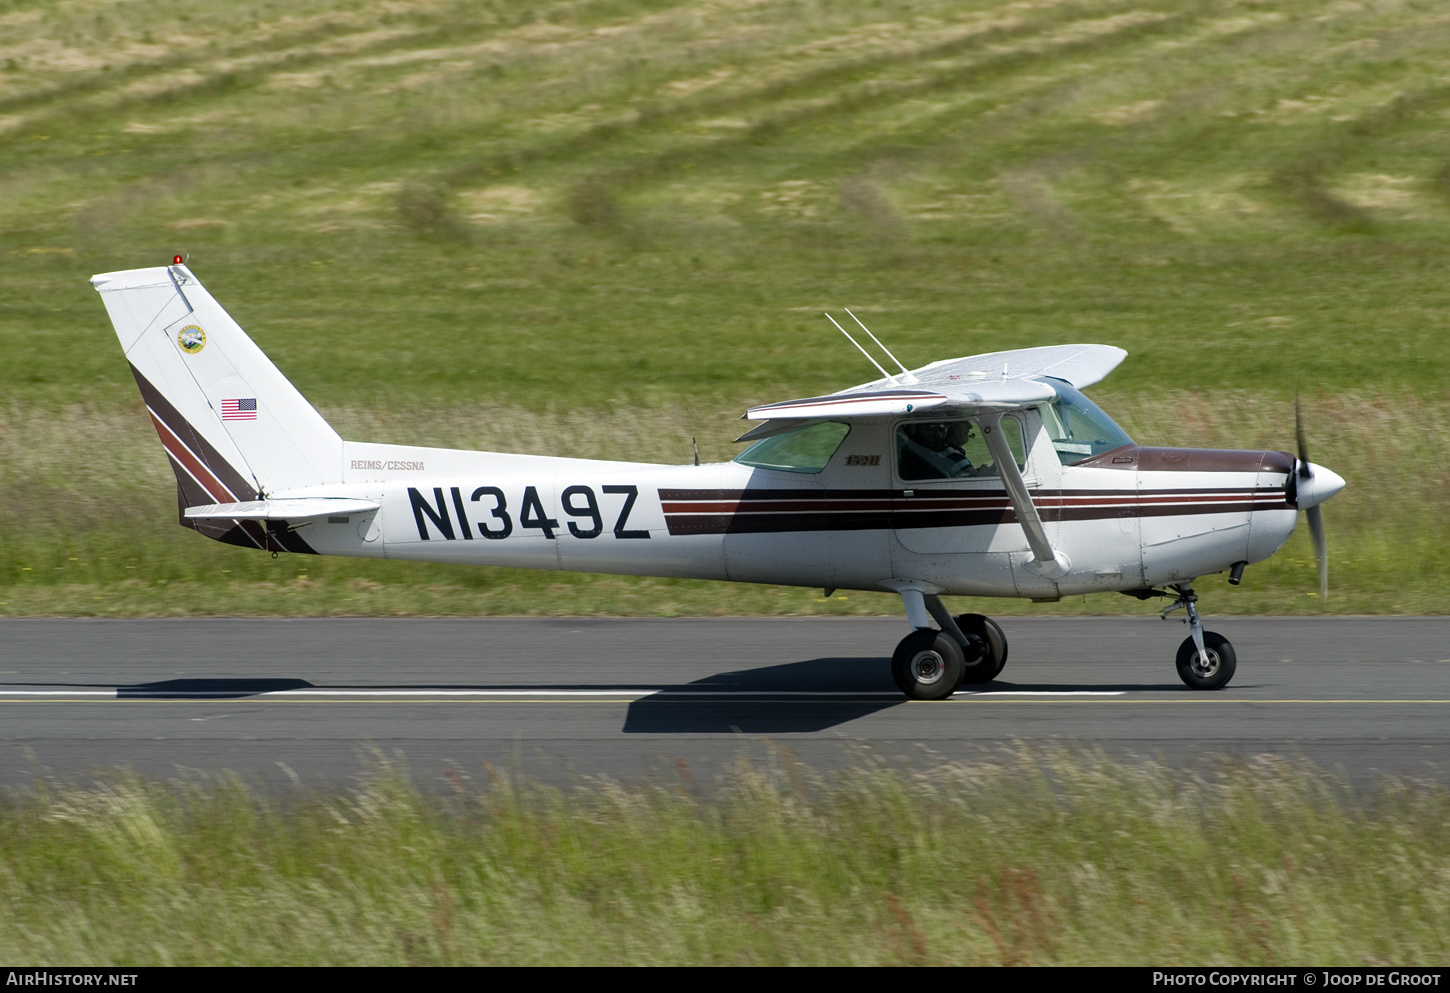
(984, 386)
(878, 399)
(1078, 365)
(976, 384)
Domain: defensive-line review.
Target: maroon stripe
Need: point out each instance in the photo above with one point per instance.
(1132, 457)
(189, 493)
(223, 471)
(201, 473)
(183, 455)
(775, 506)
(1145, 500)
(775, 494)
(909, 516)
(754, 496)
(817, 504)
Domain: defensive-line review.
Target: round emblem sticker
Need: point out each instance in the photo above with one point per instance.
(192, 339)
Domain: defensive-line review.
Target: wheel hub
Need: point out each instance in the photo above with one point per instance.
(975, 650)
(1205, 665)
(927, 667)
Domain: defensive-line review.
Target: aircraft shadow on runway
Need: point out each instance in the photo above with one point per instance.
(745, 701)
(219, 688)
(180, 689)
(745, 704)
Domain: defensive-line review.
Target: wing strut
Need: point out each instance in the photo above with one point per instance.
(1046, 561)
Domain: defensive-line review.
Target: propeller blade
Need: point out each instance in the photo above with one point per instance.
(1321, 548)
(1316, 517)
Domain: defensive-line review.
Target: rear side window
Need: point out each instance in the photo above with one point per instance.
(807, 448)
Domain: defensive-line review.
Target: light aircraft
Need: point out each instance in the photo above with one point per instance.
(988, 476)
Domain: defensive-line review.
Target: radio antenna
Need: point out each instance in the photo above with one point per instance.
(889, 378)
(906, 376)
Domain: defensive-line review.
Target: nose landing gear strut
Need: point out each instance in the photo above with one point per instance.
(1206, 659)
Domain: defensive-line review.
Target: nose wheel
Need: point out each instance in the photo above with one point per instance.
(1206, 660)
(1208, 669)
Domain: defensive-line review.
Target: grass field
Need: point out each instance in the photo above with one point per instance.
(1026, 858)
(606, 227)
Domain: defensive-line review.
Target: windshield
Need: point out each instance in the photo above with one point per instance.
(804, 449)
(1078, 427)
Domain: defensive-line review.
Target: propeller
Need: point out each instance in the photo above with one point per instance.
(1304, 484)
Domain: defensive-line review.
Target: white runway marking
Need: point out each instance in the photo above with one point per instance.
(318, 694)
(1039, 692)
(502, 694)
(643, 693)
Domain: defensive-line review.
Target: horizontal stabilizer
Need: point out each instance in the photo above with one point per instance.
(281, 510)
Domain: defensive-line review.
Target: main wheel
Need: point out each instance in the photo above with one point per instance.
(927, 665)
(1214, 669)
(986, 651)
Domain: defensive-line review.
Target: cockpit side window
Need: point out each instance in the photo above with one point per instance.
(951, 449)
(1079, 428)
(807, 448)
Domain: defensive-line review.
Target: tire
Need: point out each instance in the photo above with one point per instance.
(986, 651)
(927, 665)
(1213, 674)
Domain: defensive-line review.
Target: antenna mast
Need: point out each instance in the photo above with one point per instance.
(889, 378)
(906, 376)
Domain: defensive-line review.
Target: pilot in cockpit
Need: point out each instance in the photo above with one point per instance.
(934, 450)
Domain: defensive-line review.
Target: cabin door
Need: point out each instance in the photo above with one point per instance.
(948, 499)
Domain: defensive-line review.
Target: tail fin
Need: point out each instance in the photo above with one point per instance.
(234, 427)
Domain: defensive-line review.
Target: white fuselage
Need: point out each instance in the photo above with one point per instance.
(1128, 519)
(879, 487)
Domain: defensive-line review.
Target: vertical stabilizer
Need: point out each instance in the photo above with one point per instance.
(233, 426)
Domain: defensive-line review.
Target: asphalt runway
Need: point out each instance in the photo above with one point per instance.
(314, 701)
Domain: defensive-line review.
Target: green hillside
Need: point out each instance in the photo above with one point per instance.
(603, 228)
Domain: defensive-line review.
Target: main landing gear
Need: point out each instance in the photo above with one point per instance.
(929, 664)
(1206, 659)
(970, 649)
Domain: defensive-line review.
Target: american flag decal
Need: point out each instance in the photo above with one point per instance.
(241, 409)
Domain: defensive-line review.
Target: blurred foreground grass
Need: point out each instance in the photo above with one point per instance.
(1029, 858)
